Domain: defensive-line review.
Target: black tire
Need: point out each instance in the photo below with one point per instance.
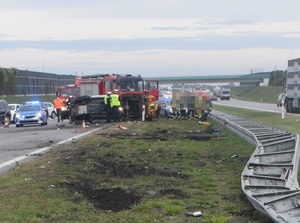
(166, 114)
(17, 125)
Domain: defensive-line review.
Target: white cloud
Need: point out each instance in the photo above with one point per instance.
(162, 37)
(149, 63)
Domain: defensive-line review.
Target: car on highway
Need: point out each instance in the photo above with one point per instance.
(44, 106)
(213, 98)
(29, 114)
(165, 105)
(49, 107)
(280, 98)
(4, 111)
(13, 109)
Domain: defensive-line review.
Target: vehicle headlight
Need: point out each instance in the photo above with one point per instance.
(120, 108)
(39, 114)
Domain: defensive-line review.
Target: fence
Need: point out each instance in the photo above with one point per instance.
(33, 83)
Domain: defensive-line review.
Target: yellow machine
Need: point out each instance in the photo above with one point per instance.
(152, 108)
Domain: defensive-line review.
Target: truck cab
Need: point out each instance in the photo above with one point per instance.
(225, 94)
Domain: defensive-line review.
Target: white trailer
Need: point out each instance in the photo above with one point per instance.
(292, 100)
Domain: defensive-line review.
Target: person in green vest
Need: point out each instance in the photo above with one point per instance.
(115, 104)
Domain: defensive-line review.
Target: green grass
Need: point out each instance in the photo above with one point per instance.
(257, 94)
(290, 122)
(155, 161)
(20, 99)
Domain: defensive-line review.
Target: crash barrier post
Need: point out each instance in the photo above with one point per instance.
(143, 113)
(83, 126)
(6, 122)
(282, 112)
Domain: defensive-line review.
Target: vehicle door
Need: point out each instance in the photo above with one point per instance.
(152, 89)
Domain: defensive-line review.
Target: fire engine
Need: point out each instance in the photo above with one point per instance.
(138, 97)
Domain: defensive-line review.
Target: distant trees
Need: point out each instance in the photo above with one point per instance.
(8, 81)
(277, 78)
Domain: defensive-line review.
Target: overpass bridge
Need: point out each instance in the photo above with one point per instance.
(261, 78)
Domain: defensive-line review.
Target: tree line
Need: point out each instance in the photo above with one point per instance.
(277, 78)
(8, 79)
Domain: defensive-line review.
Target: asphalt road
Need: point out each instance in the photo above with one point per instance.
(18, 144)
(249, 105)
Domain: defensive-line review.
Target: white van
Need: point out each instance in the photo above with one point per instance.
(280, 98)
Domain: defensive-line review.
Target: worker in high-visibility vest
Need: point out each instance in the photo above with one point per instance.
(58, 104)
(115, 104)
(107, 102)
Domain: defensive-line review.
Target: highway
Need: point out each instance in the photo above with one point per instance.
(249, 105)
(19, 144)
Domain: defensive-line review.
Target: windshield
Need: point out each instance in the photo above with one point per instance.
(133, 85)
(168, 102)
(12, 107)
(26, 108)
(74, 91)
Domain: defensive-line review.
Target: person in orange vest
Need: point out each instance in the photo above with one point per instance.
(58, 104)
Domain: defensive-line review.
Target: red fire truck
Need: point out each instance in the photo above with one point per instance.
(138, 97)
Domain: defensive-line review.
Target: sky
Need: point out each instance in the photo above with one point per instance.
(154, 38)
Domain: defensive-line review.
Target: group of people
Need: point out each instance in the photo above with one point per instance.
(112, 103)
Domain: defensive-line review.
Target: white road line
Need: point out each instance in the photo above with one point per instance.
(42, 150)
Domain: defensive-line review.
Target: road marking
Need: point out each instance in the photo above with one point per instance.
(44, 149)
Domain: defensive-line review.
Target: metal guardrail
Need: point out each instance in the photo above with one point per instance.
(269, 179)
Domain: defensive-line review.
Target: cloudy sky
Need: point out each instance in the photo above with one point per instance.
(149, 37)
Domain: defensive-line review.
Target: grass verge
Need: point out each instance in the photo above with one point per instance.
(150, 172)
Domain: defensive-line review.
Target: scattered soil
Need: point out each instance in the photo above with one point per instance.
(106, 199)
(116, 199)
(113, 165)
